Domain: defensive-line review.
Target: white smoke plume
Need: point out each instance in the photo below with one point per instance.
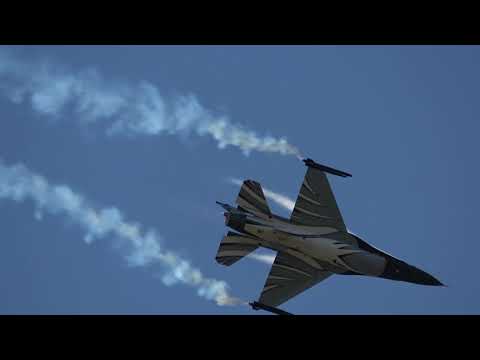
(121, 107)
(142, 248)
(280, 199)
(265, 258)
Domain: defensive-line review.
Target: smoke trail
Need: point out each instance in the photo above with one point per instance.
(265, 258)
(280, 199)
(126, 109)
(18, 183)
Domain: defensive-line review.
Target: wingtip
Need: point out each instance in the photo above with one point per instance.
(312, 163)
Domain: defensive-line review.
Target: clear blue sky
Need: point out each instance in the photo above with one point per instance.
(403, 120)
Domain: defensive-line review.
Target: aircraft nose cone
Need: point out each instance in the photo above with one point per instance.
(421, 277)
(399, 270)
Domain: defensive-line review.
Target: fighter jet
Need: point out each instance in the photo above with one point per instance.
(311, 245)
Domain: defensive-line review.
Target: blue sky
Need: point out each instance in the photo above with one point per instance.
(402, 120)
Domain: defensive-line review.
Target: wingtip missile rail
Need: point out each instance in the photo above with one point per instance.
(310, 163)
(257, 306)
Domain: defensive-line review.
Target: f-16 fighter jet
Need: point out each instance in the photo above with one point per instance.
(311, 246)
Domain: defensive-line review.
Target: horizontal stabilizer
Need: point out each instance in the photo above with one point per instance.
(233, 247)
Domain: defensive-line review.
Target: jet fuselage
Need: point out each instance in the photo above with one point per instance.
(325, 248)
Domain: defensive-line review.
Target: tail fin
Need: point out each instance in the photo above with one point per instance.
(233, 247)
(251, 198)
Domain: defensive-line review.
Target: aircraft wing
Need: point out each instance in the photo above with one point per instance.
(316, 205)
(290, 275)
